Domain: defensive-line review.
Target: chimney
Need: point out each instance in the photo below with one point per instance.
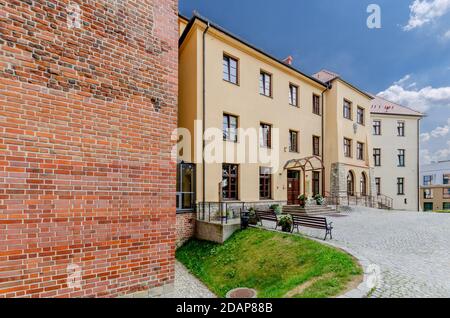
(288, 60)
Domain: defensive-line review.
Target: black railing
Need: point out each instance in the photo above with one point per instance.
(223, 212)
(344, 198)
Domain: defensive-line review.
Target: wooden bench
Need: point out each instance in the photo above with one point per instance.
(312, 222)
(268, 216)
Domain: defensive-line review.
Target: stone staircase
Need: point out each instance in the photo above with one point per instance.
(309, 210)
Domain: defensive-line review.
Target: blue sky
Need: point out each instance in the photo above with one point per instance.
(407, 60)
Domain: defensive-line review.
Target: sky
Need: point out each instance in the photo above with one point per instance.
(406, 60)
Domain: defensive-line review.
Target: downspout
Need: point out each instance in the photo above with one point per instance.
(418, 164)
(204, 118)
(323, 139)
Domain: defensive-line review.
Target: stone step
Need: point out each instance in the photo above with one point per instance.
(309, 210)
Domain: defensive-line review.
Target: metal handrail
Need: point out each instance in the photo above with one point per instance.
(225, 211)
(344, 198)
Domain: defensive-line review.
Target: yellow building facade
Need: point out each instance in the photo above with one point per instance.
(244, 101)
(315, 131)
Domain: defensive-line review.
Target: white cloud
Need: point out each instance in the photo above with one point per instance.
(440, 132)
(425, 11)
(447, 36)
(425, 137)
(403, 80)
(420, 100)
(427, 157)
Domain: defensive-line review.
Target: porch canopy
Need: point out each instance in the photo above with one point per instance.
(312, 163)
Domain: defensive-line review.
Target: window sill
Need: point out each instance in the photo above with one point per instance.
(235, 84)
(268, 96)
(232, 141)
(296, 106)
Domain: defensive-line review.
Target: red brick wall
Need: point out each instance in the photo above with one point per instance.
(85, 121)
(185, 227)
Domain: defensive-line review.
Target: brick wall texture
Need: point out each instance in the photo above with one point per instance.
(185, 227)
(87, 107)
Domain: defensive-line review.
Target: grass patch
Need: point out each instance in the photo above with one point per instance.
(270, 262)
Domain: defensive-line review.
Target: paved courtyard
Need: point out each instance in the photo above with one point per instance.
(411, 249)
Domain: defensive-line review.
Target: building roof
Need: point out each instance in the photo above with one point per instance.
(379, 104)
(206, 21)
(383, 106)
(327, 77)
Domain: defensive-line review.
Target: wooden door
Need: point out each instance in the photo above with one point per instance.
(293, 187)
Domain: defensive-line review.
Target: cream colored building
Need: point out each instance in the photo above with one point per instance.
(243, 99)
(347, 138)
(319, 128)
(395, 139)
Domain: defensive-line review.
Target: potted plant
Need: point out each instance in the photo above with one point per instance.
(277, 209)
(302, 198)
(319, 199)
(285, 221)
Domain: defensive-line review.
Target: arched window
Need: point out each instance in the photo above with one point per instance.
(363, 184)
(350, 183)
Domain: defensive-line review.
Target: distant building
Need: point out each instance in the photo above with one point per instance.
(435, 186)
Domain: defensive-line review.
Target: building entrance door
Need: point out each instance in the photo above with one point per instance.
(293, 187)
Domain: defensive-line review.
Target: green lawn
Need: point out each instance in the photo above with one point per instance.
(273, 263)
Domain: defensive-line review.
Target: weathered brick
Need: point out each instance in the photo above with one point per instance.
(86, 117)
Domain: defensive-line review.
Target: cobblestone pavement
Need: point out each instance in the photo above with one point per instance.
(411, 249)
(187, 286)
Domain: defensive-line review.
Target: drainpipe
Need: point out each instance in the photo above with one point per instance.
(418, 164)
(323, 139)
(204, 118)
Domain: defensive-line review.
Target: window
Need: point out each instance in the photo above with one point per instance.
(230, 69)
(347, 109)
(446, 179)
(316, 146)
(265, 135)
(427, 180)
(400, 186)
(265, 84)
(360, 116)
(401, 128)
(377, 127)
(316, 183)
(378, 185)
(401, 157)
(446, 206)
(360, 151)
(265, 183)
(428, 206)
(293, 93)
(347, 147)
(230, 181)
(363, 184)
(446, 193)
(427, 193)
(229, 127)
(377, 157)
(316, 104)
(185, 187)
(293, 141)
